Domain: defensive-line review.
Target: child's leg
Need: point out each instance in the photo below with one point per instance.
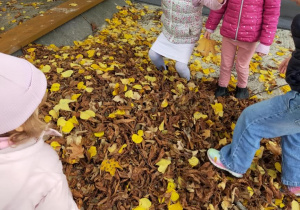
(157, 60)
(244, 54)
(228, 51)
(267, 119)
(183, 70)
(291, 159)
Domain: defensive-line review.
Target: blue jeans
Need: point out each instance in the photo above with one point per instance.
(276, 117)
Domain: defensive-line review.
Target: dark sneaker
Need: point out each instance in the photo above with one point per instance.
(241, 93)
(221, 91)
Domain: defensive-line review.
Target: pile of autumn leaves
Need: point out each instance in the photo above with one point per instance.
(136, 138)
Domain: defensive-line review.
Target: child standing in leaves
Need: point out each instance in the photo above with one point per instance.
(182, 23)
(278, 116)
(244, 23)
(31, 172)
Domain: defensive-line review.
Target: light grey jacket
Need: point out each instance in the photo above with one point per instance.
(182, 22)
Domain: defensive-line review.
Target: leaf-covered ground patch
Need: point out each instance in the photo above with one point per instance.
(136, 137)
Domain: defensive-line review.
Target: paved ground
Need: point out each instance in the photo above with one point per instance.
(14, 11)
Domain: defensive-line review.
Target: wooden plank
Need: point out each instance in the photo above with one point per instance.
(21, 35)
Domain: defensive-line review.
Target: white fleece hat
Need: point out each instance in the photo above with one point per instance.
(22, 88)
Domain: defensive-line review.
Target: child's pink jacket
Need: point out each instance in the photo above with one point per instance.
(247, 20)
(32, 179)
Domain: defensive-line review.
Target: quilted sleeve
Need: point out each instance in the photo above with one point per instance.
(215, 17)
(271, 15)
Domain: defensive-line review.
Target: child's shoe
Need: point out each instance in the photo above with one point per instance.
(294, 190)
(214, 157)
(221, 91)
(241, 93)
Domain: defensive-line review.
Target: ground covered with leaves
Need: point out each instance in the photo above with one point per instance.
(136, 137)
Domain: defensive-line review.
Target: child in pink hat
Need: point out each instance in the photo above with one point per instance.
(31, 172)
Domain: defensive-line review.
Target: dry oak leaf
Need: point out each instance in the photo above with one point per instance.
(76, 151)
(206, 46)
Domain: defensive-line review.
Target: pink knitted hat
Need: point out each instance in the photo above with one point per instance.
(22, 88)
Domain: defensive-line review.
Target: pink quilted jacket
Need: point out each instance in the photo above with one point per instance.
(247, 20)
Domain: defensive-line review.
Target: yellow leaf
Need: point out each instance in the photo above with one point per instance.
(55, 87)
(161, 126)
(206, 71)
(176, 206)
(63, 105)
(91, 53)
(232, 126)
(193, 161)
(129, 94)
(210, 123)
(139, 208)
(67, 73)
(73, 120)
(87, 114)
(59, 70)
(259, 152)
(140, 132)
(55, 144)
(67, 128)
(75, 96)
(286, 88)
(163, 165)
(278, 166)
(150, 79)
(280, 53)
(73, 4)
(45, 68)
(121, 149)
(198, 115)
(218, 109)
(174, 196)
(89, 89)
(47, 118)
(223, 141)
(272, 173)
(250, 190)
(138, 87)
(145, 203)
(295, 205)
(164, 103)
(99, 134)
(127, 36)
(136, 138)
(53, 113)
(92, 151)
(80, 86)
(110, 165)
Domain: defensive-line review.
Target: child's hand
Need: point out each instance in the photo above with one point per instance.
(196, 3)
(207, 35)
(283, 66)
(261, 54)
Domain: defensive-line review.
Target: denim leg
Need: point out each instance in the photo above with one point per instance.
(290, 159)
(278, 116)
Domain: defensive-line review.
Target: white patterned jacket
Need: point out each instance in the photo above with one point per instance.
(182, 22)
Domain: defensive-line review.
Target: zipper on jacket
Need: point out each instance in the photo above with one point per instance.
(237, 29)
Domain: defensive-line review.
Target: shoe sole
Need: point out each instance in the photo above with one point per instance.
(225, 169)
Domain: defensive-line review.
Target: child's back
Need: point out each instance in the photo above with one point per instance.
(31, 172)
